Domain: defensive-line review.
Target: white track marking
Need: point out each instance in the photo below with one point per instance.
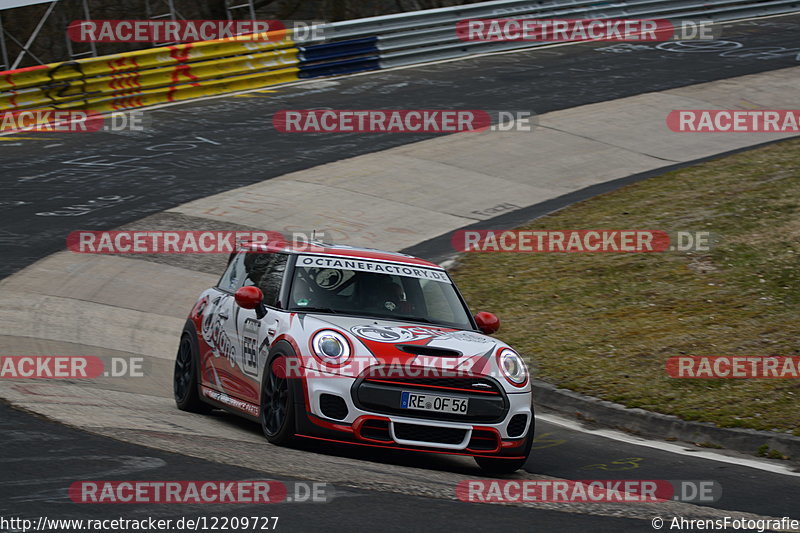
(612, 434)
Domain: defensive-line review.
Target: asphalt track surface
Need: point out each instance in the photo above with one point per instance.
(197, 149)
(202, 148)
(33, 486)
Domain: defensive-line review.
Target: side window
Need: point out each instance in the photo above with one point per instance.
(265, 271)
(234, 277)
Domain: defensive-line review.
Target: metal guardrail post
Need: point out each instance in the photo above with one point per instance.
(34, 34)
(3, 49)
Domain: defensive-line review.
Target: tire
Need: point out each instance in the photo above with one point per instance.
(499, 466)
(185, 382)
(277, 403)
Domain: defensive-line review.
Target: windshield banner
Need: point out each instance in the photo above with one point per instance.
(360, 265)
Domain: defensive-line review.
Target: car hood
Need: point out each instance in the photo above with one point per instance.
(392, 341)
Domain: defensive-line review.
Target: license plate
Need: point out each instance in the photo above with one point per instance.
(434, 402)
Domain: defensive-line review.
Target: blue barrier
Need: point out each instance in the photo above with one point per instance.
(339, 57)
(340, 49)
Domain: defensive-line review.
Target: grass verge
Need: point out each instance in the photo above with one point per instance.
(604, 324)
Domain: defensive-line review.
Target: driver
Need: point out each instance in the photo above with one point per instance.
(378, 291)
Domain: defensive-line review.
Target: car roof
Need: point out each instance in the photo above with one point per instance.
(338, 250)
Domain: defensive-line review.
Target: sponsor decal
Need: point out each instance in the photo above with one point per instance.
(733, 367)
(223, 398)
(362, 265)
(250, 346)
(329, 278)
(393, 334)
(400, 334)
(468, 336)
(213, 329)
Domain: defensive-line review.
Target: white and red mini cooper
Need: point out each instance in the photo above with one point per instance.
(359, 346)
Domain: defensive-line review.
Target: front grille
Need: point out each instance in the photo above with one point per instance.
(379, 391)
(333, 406)
(432, 434)
(467, 384)
(517, 425)
(483, 440)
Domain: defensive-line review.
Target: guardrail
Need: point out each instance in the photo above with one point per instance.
(180, 72)
(410, 38)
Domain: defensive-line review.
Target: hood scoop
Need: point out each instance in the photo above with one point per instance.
(416, 349)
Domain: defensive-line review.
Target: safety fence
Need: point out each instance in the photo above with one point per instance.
(186, 71)
(424, 36)
(153, 76)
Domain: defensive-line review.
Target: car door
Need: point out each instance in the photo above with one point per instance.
(219, 331)
(265, 271)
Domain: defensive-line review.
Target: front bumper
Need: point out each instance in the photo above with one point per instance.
(361, 411)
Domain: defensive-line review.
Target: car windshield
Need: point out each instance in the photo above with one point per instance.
(408, 294)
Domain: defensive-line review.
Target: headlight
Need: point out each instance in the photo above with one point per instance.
(513, 367)
(330, 346)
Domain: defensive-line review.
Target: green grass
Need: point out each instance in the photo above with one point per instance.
(604, 324)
